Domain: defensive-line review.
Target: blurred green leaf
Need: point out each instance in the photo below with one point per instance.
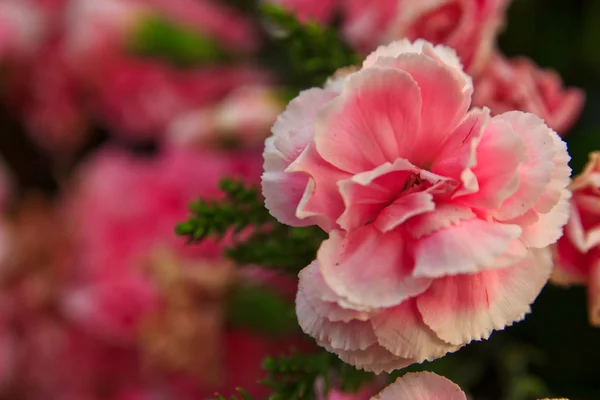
(262, 310)
(156, 36)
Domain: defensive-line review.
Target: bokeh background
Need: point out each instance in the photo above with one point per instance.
(79, 157)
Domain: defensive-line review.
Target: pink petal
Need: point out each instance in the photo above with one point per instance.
(403, 209)
(375, 120)
(294, 128)
(498, 156)
(291, 134)
(444, 102)
(352, 335)
(458, 154)
(367, 193)
(469, 307)
(549, 227)
(369, 268)
(561, 174)
(323, 300)
(401, 331)
(471, 246)
(421, 386)
(534, 175)
(374, 359)
(321, 201)
(444, 216)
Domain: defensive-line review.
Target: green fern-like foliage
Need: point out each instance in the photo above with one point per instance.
(243, 395)
(258, 238)
(306, 54)
(295, 377)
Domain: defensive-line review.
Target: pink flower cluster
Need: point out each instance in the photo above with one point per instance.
(469, 27)
(113, 304)
(438, 217)
(71, 65)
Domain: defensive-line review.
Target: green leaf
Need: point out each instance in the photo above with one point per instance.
(156, 36)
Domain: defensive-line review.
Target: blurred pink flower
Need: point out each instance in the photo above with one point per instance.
(95, 29)
(213, 19)
(468, 26)
(243, 118)
(52, 104)
(519, 84)
(140, 98)
(438, 218)
(422, 386)
(140, 287)
(577, 253)
(134, 203)
(22, 28)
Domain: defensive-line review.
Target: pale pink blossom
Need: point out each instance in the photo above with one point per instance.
(438, 217)
(518, 84)
(577, 253)
(243, 118)
(421, 386)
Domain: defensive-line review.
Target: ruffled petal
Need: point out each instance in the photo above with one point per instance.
(458, 154)
(499, 154)
(375, 359)
(375, 120)
(549, 227)
(462, 308)
(468, 247)
(403, 209)
(444, 102)
(367, 193)
(445, 215)
(401, 331)
(369, 268)
(421, 386)
(291, 134)
(321, 201)
(323, 300)
(351, 335)
(536, 173)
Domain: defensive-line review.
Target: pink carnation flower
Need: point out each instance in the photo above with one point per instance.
(519, 84)
(577, 253)
(437, 217)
